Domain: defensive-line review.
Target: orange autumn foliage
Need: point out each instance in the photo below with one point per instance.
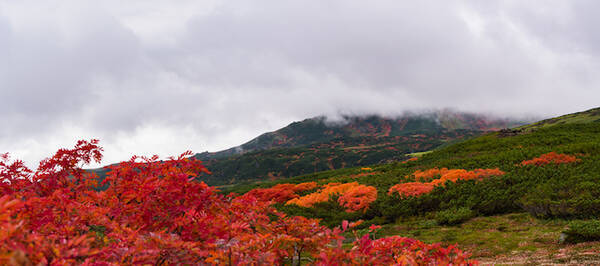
(353, 196)
(305, 186)
(322, 195)
(429, 173)
(444, 175)
(551, 157)
(358, 198)
(456, 174)
(363, 174)
(411, 189)
(280, 192)
(411, 160)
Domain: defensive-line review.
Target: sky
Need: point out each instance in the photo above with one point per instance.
(162, 77)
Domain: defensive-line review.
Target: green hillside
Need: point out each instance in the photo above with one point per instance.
(340, 153)
(315, 145)
(540, 200)
(589, 116)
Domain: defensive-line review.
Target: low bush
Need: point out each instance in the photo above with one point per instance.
(582, 231)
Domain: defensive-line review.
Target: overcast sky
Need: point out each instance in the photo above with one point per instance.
(161, 77)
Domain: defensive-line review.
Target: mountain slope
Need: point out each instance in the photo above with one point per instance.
(543, 178)
(315, 144)
(319, 130)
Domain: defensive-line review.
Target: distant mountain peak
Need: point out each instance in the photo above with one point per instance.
(321, 129)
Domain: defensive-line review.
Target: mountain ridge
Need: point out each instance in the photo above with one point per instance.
(320, 129)
(316, 144)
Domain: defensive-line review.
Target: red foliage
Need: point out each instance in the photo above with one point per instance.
(153, 212)
(551, 157)
(394, 250)
(281, 192)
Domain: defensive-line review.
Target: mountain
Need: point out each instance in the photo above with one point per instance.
(316, 144)
(320, 130)
(514, 196)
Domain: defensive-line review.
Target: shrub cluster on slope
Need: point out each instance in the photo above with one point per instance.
(568, 186)
(352, 196)
(551, 157)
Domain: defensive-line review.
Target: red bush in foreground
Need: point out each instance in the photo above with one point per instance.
(153, 212)
(551, 157)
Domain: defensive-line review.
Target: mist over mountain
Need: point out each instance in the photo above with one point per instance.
(321, 143)
(323, 129)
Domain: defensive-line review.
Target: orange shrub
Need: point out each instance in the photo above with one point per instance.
(322, 195)
(445, 174)
(551, 157)
(353, 196)
(280, 192)
(411, 189)
(337, 188)
(305, 186)
(430, 173)
(456, 174)
(411, 160)
(363, 174)
(358, 198)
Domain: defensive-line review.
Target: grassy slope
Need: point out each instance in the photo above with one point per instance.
(515, 238)
(561, 191)
(589, 116)
(488, 151)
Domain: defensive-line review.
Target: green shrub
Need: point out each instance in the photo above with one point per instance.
(454, 216)
(582, 231)
(567, 198)
(426, 224)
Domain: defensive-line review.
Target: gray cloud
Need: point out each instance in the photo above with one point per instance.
(166, 76)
